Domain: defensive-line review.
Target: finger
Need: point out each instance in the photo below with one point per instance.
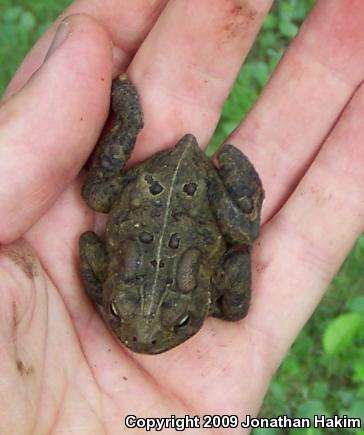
(318, 74)
(185, 68)
(303, 246)
(126, 22)
(48, 128)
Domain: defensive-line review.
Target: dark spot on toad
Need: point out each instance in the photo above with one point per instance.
(146, 237)
(190, 189)
(174, 241)
(155, 187)
(155, 213)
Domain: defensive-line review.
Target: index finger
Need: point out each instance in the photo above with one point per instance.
(127, 23)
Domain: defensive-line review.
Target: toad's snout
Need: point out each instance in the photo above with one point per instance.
(146, 337)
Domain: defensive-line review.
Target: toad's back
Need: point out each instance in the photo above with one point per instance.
(164, 226)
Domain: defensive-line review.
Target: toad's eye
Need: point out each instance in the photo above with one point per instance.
(173, 309)
(184, 321)
(125, 305)
(113, 310)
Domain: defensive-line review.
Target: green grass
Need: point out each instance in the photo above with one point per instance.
(21, 23)
(324, 370)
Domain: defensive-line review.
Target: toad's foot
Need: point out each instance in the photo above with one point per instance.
(237, 196)
(103, 182)
(232, 283)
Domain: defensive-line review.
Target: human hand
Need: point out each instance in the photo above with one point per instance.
(61, 368)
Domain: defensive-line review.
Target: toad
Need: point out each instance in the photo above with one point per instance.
(177, 245)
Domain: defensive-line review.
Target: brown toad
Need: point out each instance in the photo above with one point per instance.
(178, 236)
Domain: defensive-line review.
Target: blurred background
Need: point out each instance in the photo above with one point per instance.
(324, 371)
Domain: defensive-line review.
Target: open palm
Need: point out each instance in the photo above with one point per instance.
(60, 368)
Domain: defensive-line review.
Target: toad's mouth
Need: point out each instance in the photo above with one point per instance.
(150, 347)
(150, 340)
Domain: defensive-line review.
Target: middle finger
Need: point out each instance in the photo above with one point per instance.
(185, 68)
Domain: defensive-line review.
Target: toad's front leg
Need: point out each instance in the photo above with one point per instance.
(93, 264)
(104, 182)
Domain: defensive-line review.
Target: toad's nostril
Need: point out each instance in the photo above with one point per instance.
(154, 342)
(135, 339)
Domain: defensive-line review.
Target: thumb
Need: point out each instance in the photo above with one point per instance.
(49, 127)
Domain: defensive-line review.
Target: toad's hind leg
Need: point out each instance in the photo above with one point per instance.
(232, 287)
(93, 264)
(104, 182)
(237, 195)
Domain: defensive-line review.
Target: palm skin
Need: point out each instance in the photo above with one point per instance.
(61, 368)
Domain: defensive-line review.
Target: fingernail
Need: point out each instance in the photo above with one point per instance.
(62, 32)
